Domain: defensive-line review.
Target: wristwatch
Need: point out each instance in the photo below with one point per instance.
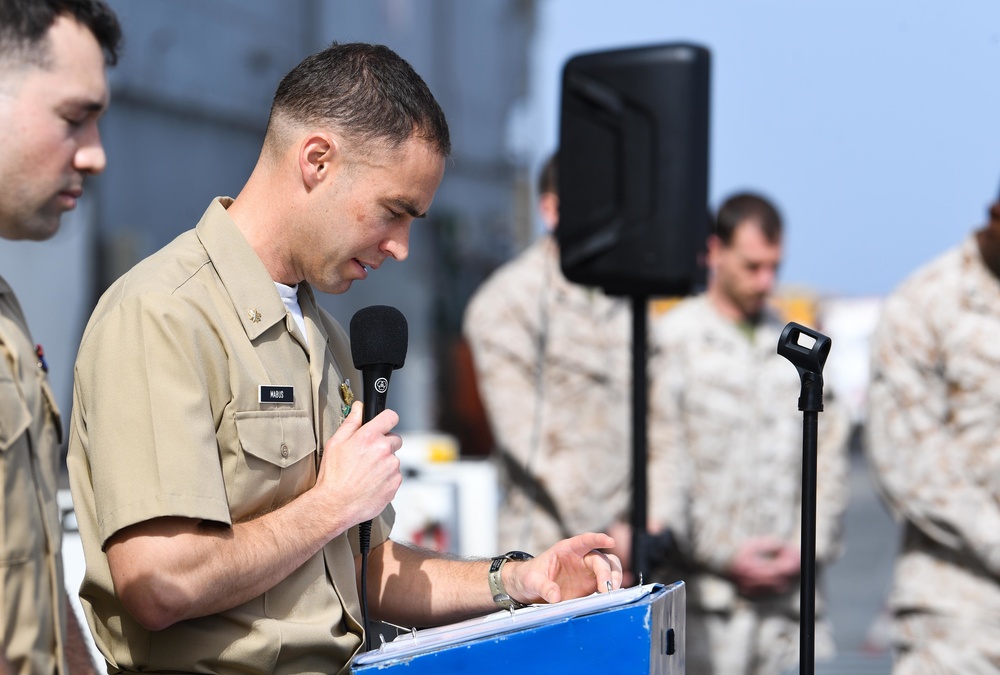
(499, 593)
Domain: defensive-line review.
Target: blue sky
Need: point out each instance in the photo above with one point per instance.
(875, 126)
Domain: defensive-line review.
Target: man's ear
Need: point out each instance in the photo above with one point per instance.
(318, 154)
(715, 247)
(548, 206)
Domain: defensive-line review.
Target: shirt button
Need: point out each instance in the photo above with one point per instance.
(284, 451)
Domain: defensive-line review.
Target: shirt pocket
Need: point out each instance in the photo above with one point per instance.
(14, 415)
(275, 463)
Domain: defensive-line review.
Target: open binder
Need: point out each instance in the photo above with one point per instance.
(631, 630)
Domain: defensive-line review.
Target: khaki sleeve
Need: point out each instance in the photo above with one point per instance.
(143, 377)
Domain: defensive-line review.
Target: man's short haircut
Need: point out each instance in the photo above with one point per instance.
(748, 206)
(548, 179)
(24, 27)
(367, 92)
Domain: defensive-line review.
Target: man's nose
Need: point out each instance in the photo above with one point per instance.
(90, 157)
(766, 279)
(397, 244)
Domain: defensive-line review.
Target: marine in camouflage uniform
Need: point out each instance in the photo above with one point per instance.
(552, 362)
(934, 446)
(725, 413)
(726, 410)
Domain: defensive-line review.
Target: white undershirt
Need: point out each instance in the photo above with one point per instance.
(290, 296)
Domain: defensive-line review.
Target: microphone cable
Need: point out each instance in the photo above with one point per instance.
(364, 540)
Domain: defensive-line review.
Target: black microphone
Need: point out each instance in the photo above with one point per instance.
(378, 346)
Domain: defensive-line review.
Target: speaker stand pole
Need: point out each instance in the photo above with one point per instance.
(640, 406)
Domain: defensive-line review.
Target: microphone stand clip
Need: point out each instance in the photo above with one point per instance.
(807, 350)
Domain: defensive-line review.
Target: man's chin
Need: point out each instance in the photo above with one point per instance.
(44, 231)
(36, 228)
(754, 314)
(335, 288)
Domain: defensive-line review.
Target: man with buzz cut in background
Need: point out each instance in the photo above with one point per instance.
(725, 420)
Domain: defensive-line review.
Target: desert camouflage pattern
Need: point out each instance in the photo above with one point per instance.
(934, 446)
(954, 645)
(553, 366)
(728, 468)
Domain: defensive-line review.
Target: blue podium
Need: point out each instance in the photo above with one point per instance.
(632, 630)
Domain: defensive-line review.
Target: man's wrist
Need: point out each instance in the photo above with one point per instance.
(495, 578)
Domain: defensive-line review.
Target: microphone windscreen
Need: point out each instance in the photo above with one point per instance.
(378, 335)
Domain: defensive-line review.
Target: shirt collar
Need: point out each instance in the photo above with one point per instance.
(250, 287)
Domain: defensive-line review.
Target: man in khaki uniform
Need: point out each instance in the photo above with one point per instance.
(934, 445)
(52, 91)
(553, 367)
(724, 411)
(219, 526)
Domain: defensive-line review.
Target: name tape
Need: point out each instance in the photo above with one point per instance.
(274, 394)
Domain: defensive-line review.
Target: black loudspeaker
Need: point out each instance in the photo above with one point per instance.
(633, 169)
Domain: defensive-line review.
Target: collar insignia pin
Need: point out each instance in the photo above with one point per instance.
(254, 315)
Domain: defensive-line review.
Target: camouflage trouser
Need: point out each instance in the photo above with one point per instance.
(935, 644)
(745, 642)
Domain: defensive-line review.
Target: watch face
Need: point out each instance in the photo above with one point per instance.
(518, 555)
(512, 555)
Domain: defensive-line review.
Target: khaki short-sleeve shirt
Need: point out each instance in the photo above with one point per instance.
(174, 415)
(33, 621)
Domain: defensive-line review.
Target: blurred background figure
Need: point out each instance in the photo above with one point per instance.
(552, 364)
(724, 413)
(53, 89)
(934, 448)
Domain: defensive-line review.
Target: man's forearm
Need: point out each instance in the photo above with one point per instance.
(425, 601)
(171, 569)
(416, 587)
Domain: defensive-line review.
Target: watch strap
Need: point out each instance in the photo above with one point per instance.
(497, 590)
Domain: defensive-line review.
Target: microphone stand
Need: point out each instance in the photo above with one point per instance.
(809, 360)
(640, 405)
